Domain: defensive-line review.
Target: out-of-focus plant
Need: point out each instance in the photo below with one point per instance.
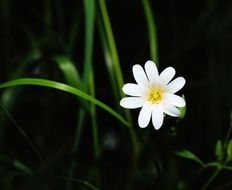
(223, 159)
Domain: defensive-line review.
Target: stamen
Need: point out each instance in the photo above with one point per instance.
(155, 95)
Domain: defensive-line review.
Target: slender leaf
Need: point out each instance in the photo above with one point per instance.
(219, 150)
(189, 155)
(111, 45)
(182, 110)
(152, 31)
(89, 6)
(84, 182)
(21, 166)
(114, 54)
(65, 88)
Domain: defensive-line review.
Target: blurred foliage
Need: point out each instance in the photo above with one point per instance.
(53, 140)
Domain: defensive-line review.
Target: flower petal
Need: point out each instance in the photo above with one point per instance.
(133, 89)
(176, 85)
(139, 75)
(144, 116)
(151, 71)
(171, 110)
(132, 102)
(166, 75)
(157, 117)
(174, 100)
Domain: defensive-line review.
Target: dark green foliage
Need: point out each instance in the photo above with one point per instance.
(53, 140)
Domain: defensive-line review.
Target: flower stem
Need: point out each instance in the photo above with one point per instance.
(210, 180)
(216, 172)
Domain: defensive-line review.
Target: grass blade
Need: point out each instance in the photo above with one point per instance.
(111, 45)
(151, 30)
(65, 88)
(89, 6)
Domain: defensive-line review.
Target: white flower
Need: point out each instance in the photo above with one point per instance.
(154, 93)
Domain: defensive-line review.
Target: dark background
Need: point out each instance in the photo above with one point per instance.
(194, 37)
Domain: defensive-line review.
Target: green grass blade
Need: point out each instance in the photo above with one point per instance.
(113, 53)
(112, 59)
(109, 63)
(89, 6)
(112, 45)
(151, 30)
(65, 88)
(84, 182)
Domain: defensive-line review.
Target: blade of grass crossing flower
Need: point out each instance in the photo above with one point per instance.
(111, 43)
(65, 88)
(115, 65)
(109, 63)
(113, 51)
(151, 30)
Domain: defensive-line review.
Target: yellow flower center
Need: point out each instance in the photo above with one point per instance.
(155, 95)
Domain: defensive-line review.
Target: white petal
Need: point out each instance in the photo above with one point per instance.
(157, 117)
(144, 116)
(151, 71)
(166, 75)
(171, 110)
(132, 102)
(139, 75)
(133, 89)
(176, 85)
(174, 100)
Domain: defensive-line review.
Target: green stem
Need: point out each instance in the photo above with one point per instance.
(151, 26)
(228, 132)
(210, 180)
(224, 161)
(110, 42)
(29, 141)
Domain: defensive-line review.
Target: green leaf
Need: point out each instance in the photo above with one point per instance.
(182, 110)
(69, 70)
(65, 88)
(22, 167)
(229, 150)
(189, 155)
(218, 150)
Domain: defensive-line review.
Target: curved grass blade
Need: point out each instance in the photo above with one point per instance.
(86, 183)
(114, 54)
(151, 30)
(111, 45)
(65, 88)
